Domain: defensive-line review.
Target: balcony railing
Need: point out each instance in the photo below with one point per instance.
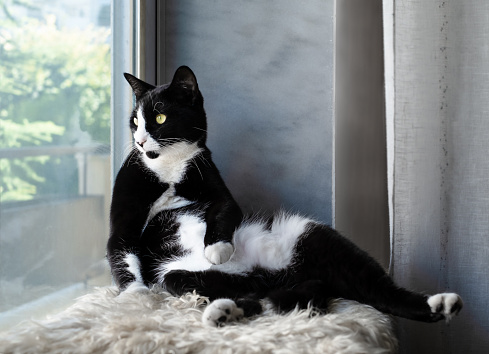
(81, 154)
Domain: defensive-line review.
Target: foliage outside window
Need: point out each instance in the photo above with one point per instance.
(55, 91)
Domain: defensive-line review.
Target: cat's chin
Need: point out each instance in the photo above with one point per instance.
(152, 154)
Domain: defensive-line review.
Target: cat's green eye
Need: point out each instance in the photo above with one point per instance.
(160, 118)
(136, 121)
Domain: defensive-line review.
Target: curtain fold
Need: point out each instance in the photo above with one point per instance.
(440, 169)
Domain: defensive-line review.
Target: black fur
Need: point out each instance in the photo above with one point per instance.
(324, 265)
(327, 266)
(136, 188)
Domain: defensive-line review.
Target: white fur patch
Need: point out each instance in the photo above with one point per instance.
(173, 159)
(144, 141)
(219, 252)
(273, 248)
(220, 312)
(444, 303)
(171, 164)
(191, 237)
(254, 244)
(192, 231)
(168, 200)
(170, 167)
(133, 266)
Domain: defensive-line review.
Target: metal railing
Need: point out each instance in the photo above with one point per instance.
(14, 153)
(80, 153)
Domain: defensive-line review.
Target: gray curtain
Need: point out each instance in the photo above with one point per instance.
(437, 60)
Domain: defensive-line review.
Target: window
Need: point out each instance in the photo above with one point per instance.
(55, 151)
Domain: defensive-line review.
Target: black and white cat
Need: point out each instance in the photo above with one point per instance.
(175, 223)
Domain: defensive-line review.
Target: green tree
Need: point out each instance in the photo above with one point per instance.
(54, 84)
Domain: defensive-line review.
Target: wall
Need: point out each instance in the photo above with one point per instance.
(440, 185)
(360, 142)
(266, 73)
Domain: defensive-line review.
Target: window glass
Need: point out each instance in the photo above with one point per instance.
(54, 151)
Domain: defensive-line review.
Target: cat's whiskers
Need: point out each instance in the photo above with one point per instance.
(204, 161)
(128, 148)
(197, 167)
(128, 152)
(133, 159)
(205, 131)
(169, 143)
(172, 141)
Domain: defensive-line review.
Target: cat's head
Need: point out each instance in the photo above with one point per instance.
(167, 114)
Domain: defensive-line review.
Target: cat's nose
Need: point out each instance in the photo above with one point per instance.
(141, 143)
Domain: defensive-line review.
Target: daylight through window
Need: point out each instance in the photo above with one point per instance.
(54, 151)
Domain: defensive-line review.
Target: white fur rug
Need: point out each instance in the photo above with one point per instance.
(156, 322)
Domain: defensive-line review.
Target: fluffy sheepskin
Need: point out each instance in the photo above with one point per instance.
(156, 322)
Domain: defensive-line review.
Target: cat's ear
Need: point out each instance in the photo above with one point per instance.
(185, 82)
(185, 78)
(139, 87)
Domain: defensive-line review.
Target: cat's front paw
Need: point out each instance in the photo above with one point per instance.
(220, 312)
(219, 252)
(446, 304)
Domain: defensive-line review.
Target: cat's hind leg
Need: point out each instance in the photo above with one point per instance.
(214, 284)
(350, 273)
(419, 307)
(222, 311)
(445, 304)
(232, 296)
(308, 293)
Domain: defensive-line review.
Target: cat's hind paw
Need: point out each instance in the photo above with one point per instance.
(446, 304)
(219, 252)
(220, 312)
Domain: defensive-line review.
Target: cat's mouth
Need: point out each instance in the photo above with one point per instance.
(152, 154)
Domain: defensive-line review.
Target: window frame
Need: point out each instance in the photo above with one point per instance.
(125, 32)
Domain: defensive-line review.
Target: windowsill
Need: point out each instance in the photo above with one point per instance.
(50, 304)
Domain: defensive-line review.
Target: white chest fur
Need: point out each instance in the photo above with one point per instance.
(168, 200)
(171, 164)
(170, 168)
